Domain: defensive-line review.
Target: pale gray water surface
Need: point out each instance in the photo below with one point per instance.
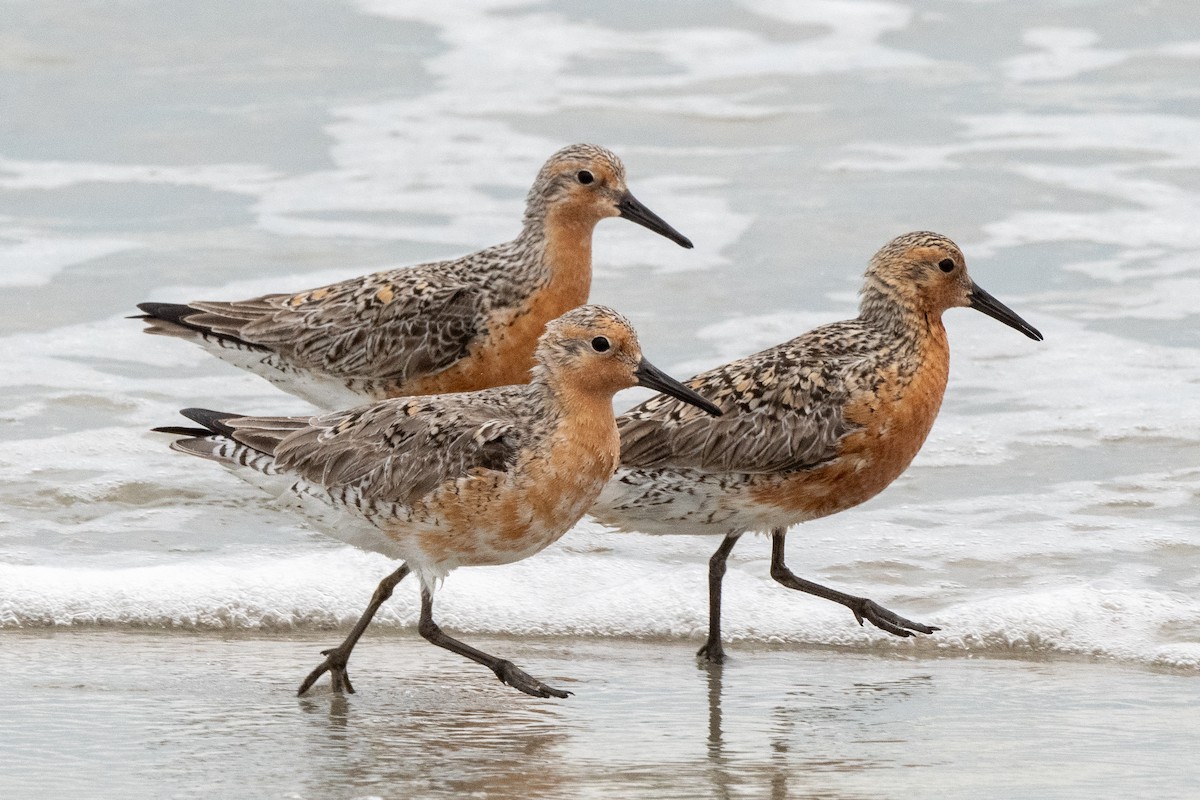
(173, 151)
(152, 716)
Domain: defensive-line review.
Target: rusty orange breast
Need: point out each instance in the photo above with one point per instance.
(504, 355)
(490, 518)
(894, 419)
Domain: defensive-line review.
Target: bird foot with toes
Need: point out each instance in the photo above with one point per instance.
(887, 620)
(335, 664)
(520, 680)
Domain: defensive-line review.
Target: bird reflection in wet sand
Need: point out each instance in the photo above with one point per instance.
(818, 723)
(811, 427)
(470, 744)
(445, 481)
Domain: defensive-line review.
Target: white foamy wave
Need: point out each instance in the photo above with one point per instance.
(1062, 53)
(468, 184)
(1086, 620)
(552, 69)
(30, 174)
(597, 585)
(447, 164)
(1136, 169)
(1162, 139)
(1067, 53)
(35, 258)
(1078, 387)
(398, 176)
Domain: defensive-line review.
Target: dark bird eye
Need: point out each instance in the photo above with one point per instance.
(584, 177)
(946, 265)
(600, 344)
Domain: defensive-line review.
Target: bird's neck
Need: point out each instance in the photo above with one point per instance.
(574, 395)
(558, 244)
(902, 320)
(582, 419)
(911, 337)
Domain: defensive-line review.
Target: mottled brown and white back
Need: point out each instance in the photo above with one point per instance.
(811, 427)
(443, 481)
(449, 326)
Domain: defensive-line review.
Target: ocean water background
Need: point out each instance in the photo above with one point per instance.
(171, 151)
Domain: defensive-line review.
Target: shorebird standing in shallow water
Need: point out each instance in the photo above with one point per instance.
(449, 326)
(446, 481)
(811, 427)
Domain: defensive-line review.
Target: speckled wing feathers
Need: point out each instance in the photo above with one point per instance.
(395, 451)
(789, 408)
(400, 450)
(405, 324)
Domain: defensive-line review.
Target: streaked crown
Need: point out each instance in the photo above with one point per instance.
(573, 168)
(594, 342)
(918, 270)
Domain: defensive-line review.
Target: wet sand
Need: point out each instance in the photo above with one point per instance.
(109, 714)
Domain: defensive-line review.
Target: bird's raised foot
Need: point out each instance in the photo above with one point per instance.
(888, 621)
(712, 652)
(520, 680)
(335, 664)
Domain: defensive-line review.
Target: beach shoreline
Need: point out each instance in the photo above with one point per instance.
(135, 714)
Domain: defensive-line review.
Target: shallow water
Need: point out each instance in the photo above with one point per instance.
(203, 716)
(166, 151)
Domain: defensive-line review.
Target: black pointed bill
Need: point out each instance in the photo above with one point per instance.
(632, 209)
(982, 301)
(652, 377)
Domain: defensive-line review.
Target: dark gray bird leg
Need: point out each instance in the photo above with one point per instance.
(506, 671)
(712, 651)
(335, 659)
(863, 608)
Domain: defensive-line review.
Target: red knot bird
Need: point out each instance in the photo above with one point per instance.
(811, 427)
(451, 480)
(449, 326)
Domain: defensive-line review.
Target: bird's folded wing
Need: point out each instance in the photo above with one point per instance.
(396, 325)
(783, 410)
(396, 450)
